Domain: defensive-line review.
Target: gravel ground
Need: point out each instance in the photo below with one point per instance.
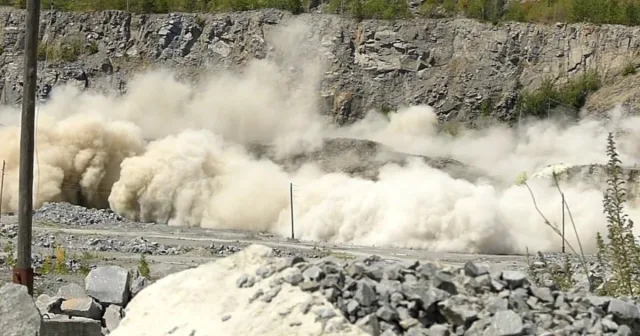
(383, 291)
(93, 237)
(101, 237)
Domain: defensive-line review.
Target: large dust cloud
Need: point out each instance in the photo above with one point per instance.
(176, 153)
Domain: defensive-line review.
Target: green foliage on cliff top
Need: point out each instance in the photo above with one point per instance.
(164, 6)
(625, 12)
(371, 9)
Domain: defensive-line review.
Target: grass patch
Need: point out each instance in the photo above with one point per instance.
(486, 107)
(573, 95)
(58, 263)
(47, 266)
(9, 250)
(55, 264)
(88, 256)
(66, 49)
(143, 267)
(628, 69)
(61, 260)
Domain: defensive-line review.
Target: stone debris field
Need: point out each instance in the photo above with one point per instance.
(255, 292)
(94, 310)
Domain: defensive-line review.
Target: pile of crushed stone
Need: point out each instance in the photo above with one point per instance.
(70, 214)
(255, 293)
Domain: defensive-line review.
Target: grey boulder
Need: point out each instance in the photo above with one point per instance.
(109, 284)
(18, 312)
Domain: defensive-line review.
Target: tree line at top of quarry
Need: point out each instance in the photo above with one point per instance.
(625, 12)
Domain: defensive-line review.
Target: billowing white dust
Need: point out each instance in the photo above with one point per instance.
(197, 172)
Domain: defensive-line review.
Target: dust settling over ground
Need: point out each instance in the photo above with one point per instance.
(91, 150)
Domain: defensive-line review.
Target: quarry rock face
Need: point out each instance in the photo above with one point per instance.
(455, 65)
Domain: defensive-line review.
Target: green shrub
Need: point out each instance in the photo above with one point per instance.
(619, 255)
(371, 9)
(438, 8)
(166, 6)
(485, 10)
(621, 252)
(486, 107)
(625, 12)
(143, 267)
(548, 96)
(629, 69)
(68, 49)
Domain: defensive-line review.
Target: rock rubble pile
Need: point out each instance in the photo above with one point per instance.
(257, 292)
(138, 245)
(377, 297)
(69, 214)
(94, 310)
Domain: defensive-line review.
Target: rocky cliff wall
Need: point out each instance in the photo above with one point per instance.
(459, 66)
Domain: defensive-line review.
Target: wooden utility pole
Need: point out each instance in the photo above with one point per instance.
(23, 272)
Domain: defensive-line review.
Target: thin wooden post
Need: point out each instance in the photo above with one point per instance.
(2, 188)
(293, 236)
(563, 206)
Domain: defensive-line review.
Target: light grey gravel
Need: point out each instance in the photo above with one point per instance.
(412, 298)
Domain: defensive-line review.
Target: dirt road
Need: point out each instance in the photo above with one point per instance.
(197, 246)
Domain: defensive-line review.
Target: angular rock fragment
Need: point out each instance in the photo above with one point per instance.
(624, 312)
(507, 323)
(473, 270)
(19, 315)
(369, 324)
(112, 316)
(514, 279)
(138, 284)
(76, 326)
(47, 304)
(108, 284)
(292, 276)
(83, 307)
(71, 291)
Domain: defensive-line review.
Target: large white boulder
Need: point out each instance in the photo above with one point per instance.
(215, 299)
